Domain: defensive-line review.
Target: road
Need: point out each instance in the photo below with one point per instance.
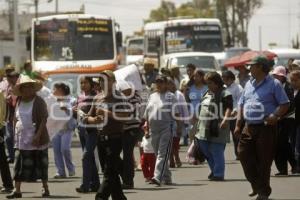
(190, 183)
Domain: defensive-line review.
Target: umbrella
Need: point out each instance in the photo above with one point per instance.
(248, 56)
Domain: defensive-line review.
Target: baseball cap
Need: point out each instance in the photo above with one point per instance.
(280, 71)
(259, 60)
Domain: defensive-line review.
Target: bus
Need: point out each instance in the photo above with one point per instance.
(184, 35)
(134, 50)
(64, 46)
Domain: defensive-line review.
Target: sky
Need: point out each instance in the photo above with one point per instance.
(278, 19)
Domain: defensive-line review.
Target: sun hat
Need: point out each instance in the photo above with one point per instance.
(23, 80)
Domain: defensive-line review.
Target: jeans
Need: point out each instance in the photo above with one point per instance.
(111, 183)
(62, 152)
(214, 153)
(90, 177)
(9, 140)
(4, 167)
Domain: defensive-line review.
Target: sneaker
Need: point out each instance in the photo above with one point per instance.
(252, 193)
(6, 190)
(58, 176)
(14, 195)
(210, 176)
(154, 182)
(72, 174)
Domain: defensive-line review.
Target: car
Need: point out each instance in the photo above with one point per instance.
(235, 51)
(206, 61)
(283, 55)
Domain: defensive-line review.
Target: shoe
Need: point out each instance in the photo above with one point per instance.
(14, 195)
(45, 193)
(210, 176)
(57, 176)
(215, 178)
(252, 193)
(281, 174)
(127, 186)
(6, 190)
(72, 174)
(154, 182)
(179, 164)
(10, 161)
(262, 197)
(81, 190)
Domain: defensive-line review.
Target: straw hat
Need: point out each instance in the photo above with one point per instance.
(151, 61)
(36, 85)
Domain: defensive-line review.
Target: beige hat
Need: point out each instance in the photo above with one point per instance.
(36, 85)
(296, 63)
(151, 61)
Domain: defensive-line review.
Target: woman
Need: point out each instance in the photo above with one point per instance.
(31, 137)
(195, 90)
(88, 138)
(62, 140)
(213, 126)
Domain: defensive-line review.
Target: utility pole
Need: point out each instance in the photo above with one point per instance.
(36, 5)
(260, 38)
(16, 32)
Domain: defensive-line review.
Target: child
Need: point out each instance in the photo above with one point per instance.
(148, 156)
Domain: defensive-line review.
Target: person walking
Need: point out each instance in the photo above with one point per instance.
(107, 114)
(159, 115)
(213, 131)
(4, 165)
(261, 105)
(90, 181)
(31, 137)
(295, 82)
(235, 90)
(63, 139)
(286, 128)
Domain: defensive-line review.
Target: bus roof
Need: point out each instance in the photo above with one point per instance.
(64, 16)
(183, 22)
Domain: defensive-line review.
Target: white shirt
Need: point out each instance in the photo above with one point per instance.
(236, 91)
(146, 145)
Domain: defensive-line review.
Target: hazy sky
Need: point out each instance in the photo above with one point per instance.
(279, 19)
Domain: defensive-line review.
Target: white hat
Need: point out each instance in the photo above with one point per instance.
(124, 85)
(36, 85)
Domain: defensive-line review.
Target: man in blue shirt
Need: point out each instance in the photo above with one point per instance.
(261, 105)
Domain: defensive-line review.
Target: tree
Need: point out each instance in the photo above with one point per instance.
(166, 10)
(235, 16)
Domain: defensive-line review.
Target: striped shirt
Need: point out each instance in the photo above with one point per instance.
(135, 119)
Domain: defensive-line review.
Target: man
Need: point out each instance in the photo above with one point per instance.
(261, 105)
(243, 76)
(107, 114)
(190, 69)
(286, 128)
(11, 100)
(150, 72)
(27, 70)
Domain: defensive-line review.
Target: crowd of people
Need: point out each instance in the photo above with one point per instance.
(258, 109)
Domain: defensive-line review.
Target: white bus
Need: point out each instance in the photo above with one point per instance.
(184, 35)
(134, 50)
(74, 43)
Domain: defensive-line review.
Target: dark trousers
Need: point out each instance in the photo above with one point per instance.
(4, 166)
(284, 151)
(90, 177)
(129, 140)
(111, 183)
(9, 140)
(256, 153)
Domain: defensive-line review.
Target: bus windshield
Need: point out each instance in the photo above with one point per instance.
(135, 47)
(66, 40)
(206, 38)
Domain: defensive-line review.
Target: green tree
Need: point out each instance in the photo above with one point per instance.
(166, 10)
